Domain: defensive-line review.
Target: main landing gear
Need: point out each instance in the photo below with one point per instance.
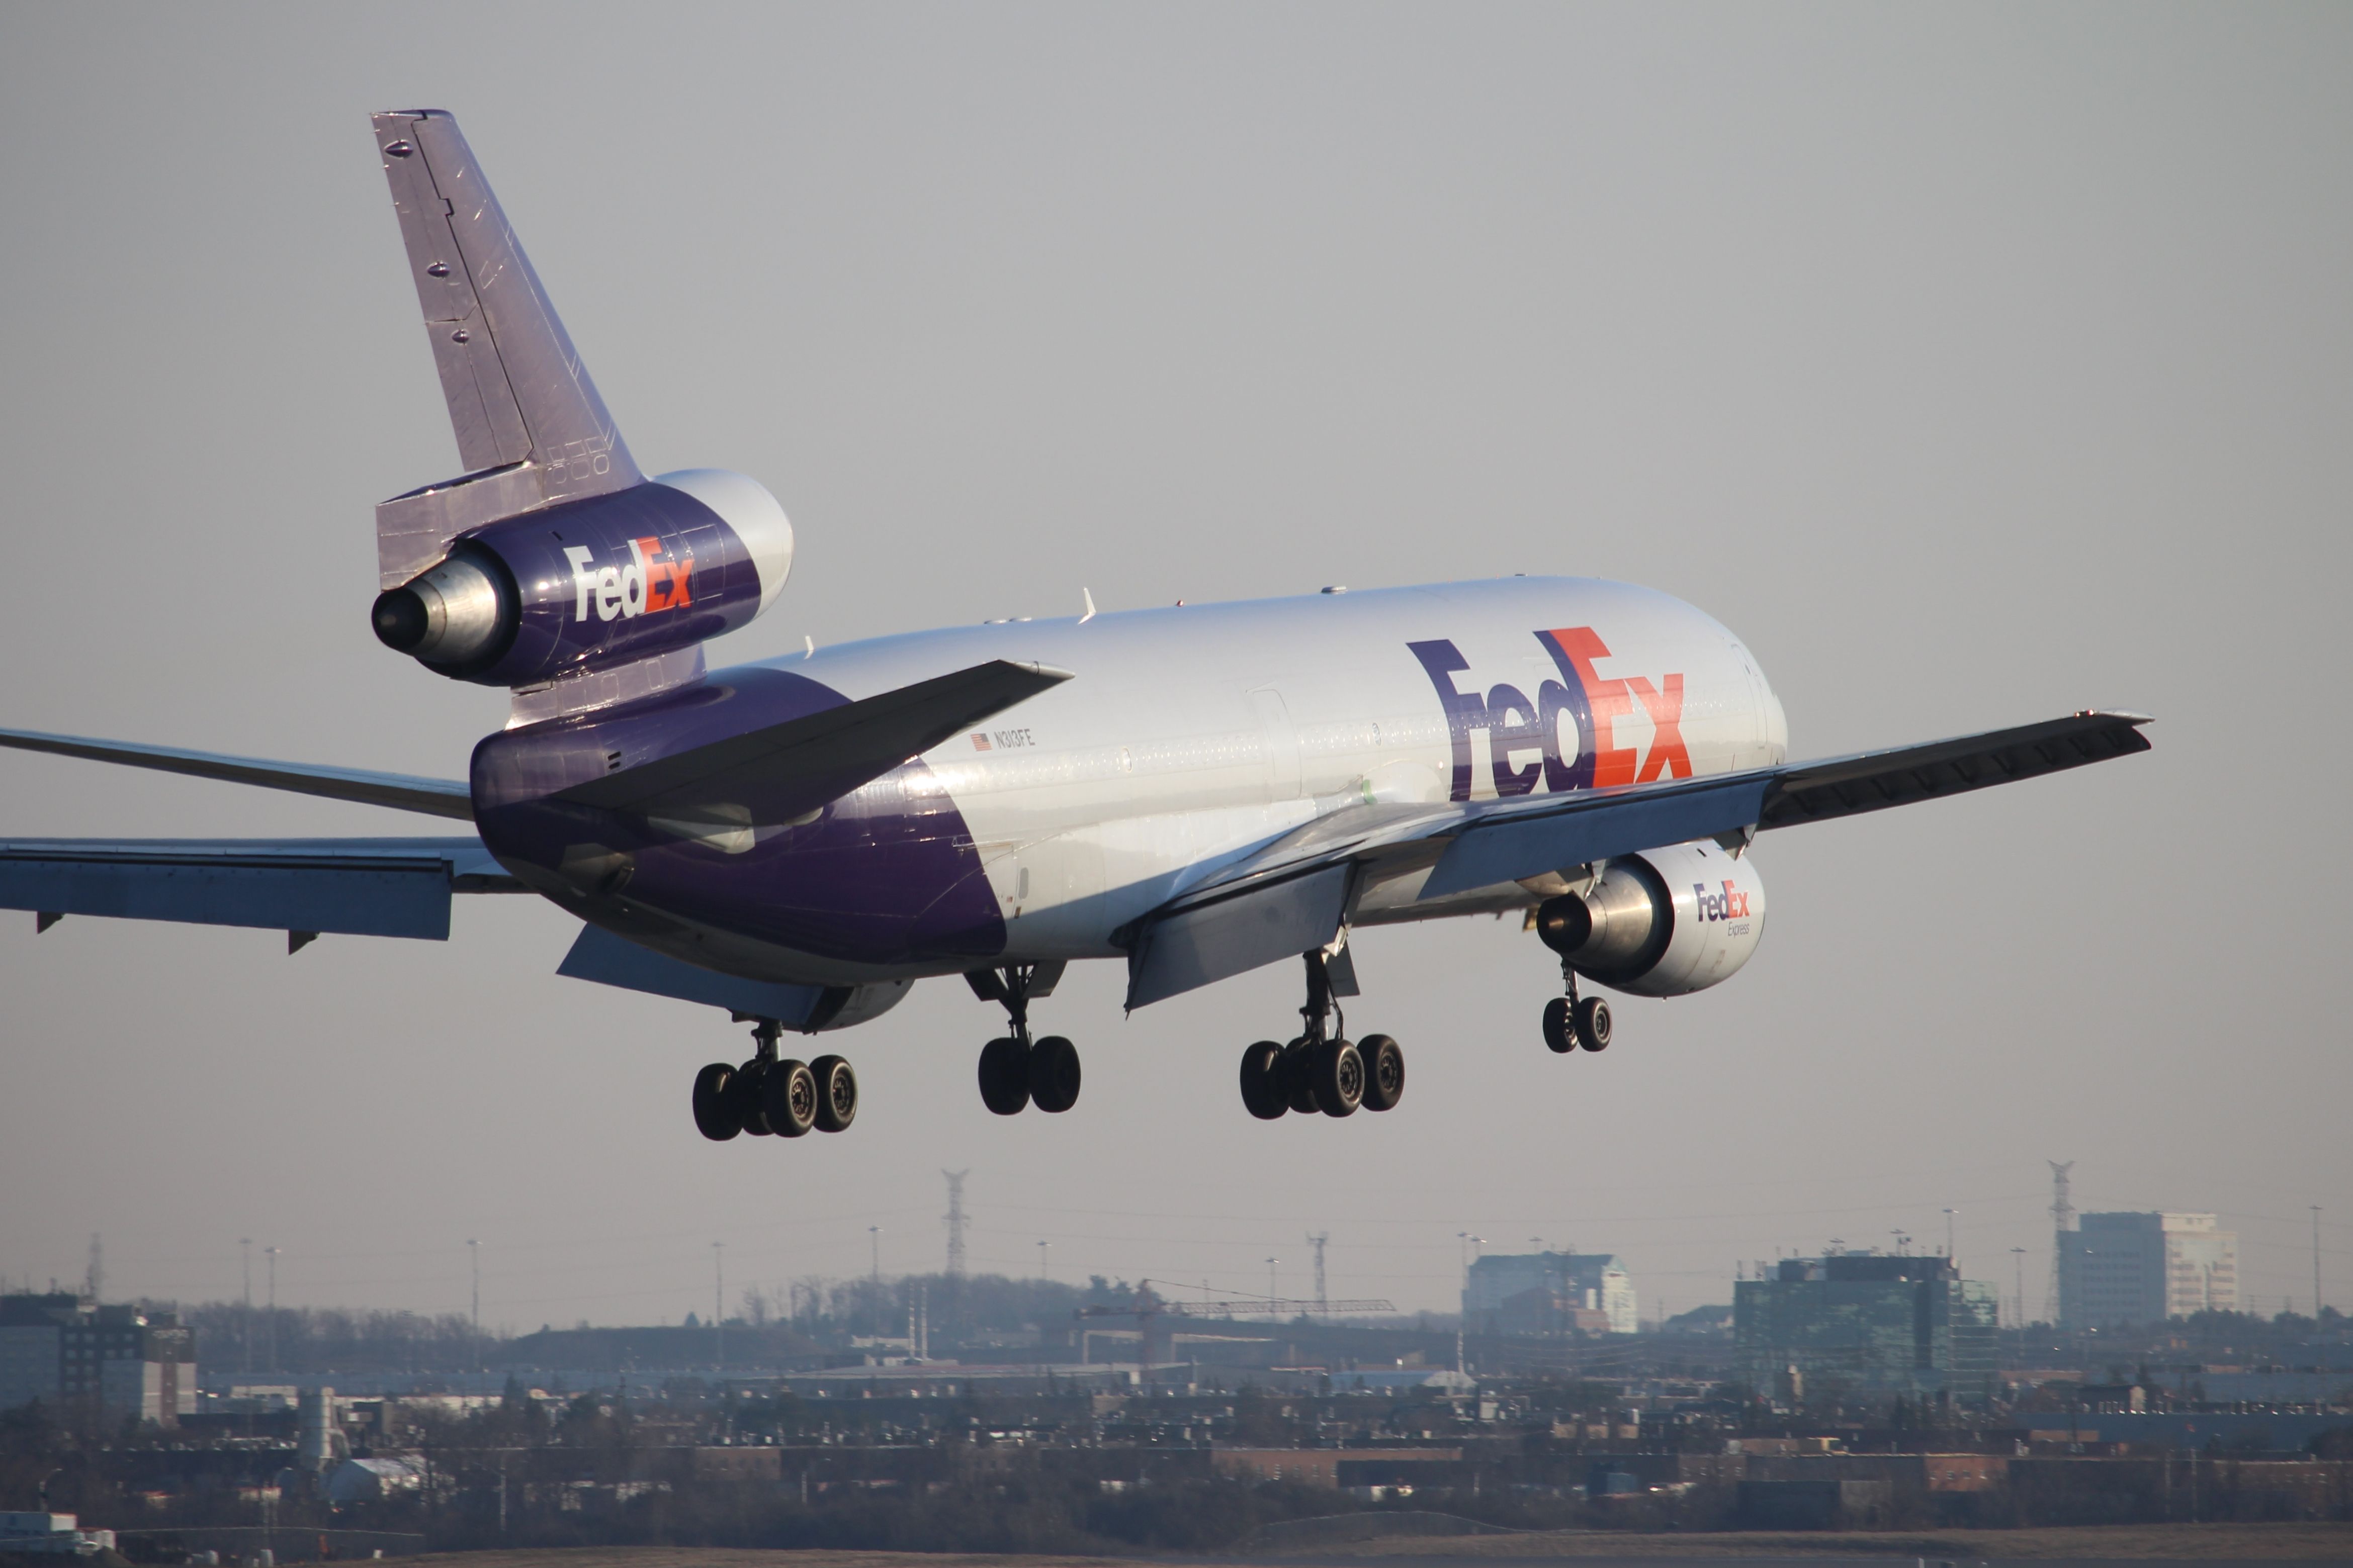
(769, 1097)
(1570, 1022)
(1317, 1071)
(1017, 1071)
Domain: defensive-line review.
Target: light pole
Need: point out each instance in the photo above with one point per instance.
(1948, 1237)
(1043, 1247)
(1272, 1293)
(2018, 1256)
(271, 1253)
(474, 1267)
(245, 1244)
(719, 1304)
(874, 1237)
(2316, 1266)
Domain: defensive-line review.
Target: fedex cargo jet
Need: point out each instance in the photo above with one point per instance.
(1192, 791)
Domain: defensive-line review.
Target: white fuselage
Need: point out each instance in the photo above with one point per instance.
(1194, 734)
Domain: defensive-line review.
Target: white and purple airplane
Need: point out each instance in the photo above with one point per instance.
(1195, 791)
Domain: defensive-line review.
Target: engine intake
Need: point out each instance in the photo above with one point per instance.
(1665, 922)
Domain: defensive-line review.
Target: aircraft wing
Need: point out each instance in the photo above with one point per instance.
(402, 792)
(1291, 896)
(362, 887)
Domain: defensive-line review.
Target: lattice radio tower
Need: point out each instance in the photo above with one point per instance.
(1323, 1299)
(2062, 1220)
(955, 1222)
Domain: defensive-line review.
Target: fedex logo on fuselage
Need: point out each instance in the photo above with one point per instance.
(1520, 727)
(652, 581)
(1731, 904)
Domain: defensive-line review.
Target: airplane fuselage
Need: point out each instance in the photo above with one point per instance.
(1191, 735)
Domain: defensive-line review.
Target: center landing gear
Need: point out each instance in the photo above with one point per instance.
(772, 1096)
(1017, 1071)
(1320, 1071)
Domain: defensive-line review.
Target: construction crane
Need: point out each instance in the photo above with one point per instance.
(1147, 1307)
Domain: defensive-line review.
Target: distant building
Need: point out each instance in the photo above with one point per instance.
(1549, 1292)
(71, 1353)
(2118, 1269)
(1872, 1323)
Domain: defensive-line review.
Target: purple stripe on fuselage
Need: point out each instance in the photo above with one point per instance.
(886, 875)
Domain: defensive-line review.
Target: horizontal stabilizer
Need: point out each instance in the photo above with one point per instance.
(402, 792)
(361, 887)
(789, 769)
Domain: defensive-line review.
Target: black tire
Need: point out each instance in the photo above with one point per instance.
(1384, 1071)
(1559, 1028)
(1005, 1077)
(837, 1094)
(714, 1118)
(1298, 1079)
(788, 1097)
(1593, 1024)
(1054, 1074)
(1263, 1093)
(1339, 1078)
(745, 1096)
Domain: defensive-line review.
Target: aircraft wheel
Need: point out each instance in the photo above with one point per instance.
(1593, 1024)
(836, 1093)
(1298, 1078)
(1339, 1078)
(745, 1096)
(713, 1117)
(1384, 1071)
(788, 1097)
(1559, 1028)
(1263, 1093)
(1004, 1075)
(1054, 1074)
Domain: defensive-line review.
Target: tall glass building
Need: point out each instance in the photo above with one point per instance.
(1867, 1323)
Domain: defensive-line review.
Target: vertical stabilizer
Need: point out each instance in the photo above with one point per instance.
(531, 428)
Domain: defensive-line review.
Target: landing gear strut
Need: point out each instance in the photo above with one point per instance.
(1017, 1071)
(1321, 1069)
(772, 1096)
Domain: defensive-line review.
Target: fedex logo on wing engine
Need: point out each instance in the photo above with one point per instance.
(1731, 904)
(652, 581)
(1590, 755)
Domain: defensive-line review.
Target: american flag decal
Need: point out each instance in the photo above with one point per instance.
(979, 742)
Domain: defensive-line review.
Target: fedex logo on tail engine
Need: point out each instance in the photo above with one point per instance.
(652, 581)
(1518, 728)
(1731, 904)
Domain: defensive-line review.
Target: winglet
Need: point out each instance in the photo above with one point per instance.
(1090, 600)
(531, 427)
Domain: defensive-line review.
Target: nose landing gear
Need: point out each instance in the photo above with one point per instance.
(1017, 1071)
(1320, 1070)
(774, 1097)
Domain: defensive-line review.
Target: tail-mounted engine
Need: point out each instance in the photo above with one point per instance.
(1665, 922)
(589, 584)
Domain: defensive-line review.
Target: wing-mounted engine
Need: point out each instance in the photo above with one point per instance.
(587, 584)
(1665, 922)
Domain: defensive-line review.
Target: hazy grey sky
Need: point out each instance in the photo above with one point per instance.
(1976, 363)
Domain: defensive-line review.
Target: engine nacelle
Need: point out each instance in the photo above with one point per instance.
(1665, 922)
(589, 584)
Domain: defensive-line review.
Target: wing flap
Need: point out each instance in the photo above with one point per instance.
(358, 887)
(785, 770)
(1216, 940)
(402, 792)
